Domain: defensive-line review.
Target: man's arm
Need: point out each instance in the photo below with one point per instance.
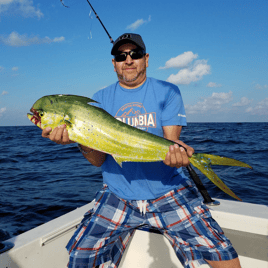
(96, 158)
(177, 156)
(60, 136)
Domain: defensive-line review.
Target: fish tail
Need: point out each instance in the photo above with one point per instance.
(203, 163)
(223, 161)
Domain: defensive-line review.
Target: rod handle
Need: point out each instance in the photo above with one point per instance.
(200, 186)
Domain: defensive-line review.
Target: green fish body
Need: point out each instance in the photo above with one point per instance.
(92, 126)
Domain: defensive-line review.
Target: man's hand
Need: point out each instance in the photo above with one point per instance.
(177, 156)
(59, 135)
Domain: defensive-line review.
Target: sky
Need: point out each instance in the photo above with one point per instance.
(214, 51)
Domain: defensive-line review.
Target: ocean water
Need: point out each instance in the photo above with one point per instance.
(40, 180)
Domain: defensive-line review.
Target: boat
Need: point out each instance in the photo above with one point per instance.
(245, 224)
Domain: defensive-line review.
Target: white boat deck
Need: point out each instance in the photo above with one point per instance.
(42, 247)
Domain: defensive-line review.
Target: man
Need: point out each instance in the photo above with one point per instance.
(155, 194)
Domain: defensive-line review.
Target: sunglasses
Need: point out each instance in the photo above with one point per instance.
(135, 54)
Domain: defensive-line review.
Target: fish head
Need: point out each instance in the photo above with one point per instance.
(48, 111)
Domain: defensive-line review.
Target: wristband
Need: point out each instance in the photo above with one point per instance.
(83, 151)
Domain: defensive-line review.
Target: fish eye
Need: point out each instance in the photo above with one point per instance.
(41, 113)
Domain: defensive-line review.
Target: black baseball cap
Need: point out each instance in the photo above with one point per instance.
(128, 38)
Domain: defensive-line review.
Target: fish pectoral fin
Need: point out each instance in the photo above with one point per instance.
(224, 161)
(67, 120)
(118, 160)
(68, 123)
(206, 169)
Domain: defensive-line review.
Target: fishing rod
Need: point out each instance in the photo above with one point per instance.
(200, 186)
(207, 199)
(202, 189)
(111, 39)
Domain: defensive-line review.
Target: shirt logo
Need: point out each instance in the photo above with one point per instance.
(134, 114)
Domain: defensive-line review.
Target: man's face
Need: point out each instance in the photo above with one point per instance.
(131, 73)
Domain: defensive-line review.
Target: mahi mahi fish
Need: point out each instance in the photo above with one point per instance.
(94, 127)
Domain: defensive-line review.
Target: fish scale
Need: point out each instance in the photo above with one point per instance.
(93, 127)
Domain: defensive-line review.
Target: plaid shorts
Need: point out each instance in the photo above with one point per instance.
(179, 215)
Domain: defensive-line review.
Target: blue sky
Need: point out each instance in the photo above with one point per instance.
(215, 51)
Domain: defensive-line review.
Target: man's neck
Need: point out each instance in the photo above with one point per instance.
(132, 86)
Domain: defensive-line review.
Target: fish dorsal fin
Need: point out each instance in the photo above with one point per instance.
(76, 98)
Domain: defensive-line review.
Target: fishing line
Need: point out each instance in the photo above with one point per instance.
(64, 4)
(90, 30)
(111, 39)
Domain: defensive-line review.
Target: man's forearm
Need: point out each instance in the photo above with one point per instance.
(95, 157)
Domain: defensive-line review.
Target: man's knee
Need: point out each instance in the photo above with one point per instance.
(234, 263)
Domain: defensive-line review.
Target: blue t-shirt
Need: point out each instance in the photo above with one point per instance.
(149, 107)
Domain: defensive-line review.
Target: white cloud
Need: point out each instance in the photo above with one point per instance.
(5, 2)
(17, 40)
(4, 93)
(213, 103)
(59, 39)
(258, 86)
(135, 25)
(23, 7)
(15, 68)
(191, 74)
(260, 109)
(244, 102)
(181, 61)
(213, 84)
(2, 110)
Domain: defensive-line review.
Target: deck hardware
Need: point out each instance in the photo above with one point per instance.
(213, 203)
(51, 237)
